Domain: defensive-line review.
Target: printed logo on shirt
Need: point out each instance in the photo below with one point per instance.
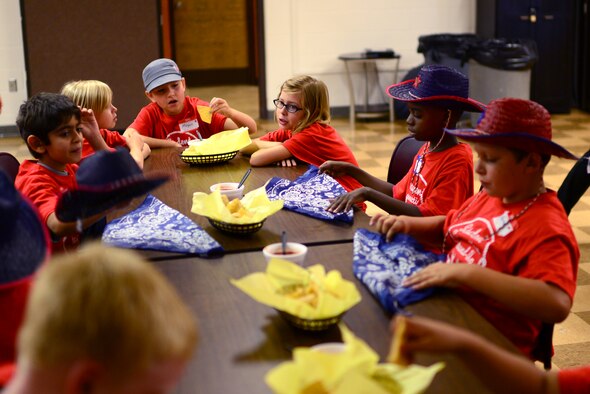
(415, 194)
(472, 241)
(182, 137)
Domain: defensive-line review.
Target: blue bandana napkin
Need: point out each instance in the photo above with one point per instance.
(382, 266)
(156, 226)
(310, 195)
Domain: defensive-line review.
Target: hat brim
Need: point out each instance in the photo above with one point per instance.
(26, 247)
(522, 141)
(164, 79)
(84, 202)
(401, 92)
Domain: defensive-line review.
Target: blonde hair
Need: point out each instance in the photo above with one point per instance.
(92, 94)
(314, 99)
(108, 305)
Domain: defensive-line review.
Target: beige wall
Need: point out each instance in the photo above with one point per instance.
(307, 36)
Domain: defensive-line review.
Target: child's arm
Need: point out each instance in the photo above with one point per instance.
(90, 130)
(501, 371)
(339, 168)
(235, 118)
(61, 229)
(138, 149)
(392, 205)
(427, 230)
(530, 297)
(270, 155)
(154, 142)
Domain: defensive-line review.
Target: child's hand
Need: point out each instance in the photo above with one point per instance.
(346, 201)
(389, 225)
(220, 106)
(437, 274)
(334, 168)
(88, 123)
(287, 163)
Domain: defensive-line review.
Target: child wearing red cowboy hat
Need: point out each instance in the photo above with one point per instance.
(23, 248)
(441, 176)
(511, 251)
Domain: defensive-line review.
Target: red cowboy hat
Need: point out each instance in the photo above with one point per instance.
(515, 123)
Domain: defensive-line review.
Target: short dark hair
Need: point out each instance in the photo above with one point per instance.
(521, 154)
(43, 113)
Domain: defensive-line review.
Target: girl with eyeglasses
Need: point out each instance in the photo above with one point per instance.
(304, 133)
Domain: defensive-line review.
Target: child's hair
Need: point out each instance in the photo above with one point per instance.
(521, 154)
(107, 305)
(314, 99)
(92, 94)
(43, 113)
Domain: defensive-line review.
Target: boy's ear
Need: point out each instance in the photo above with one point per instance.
(149, 96)
(534, 161)
(82, 376)
(36, 144)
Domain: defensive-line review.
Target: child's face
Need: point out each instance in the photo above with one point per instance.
(425, 122)
(170, 97)
(65, 145)
(289, 120)
(501, 174)
(107, 119)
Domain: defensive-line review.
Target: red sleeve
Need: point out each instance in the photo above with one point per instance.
(277, 136)
(574, 380)
(112, 138)
(146, 120)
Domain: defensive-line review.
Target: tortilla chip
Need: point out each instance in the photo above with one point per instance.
(205, 113)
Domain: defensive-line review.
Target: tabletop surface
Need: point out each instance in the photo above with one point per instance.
(241, 339)
(377, 55)
(178, 193)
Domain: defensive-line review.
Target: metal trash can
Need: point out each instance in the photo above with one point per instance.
(447, 49)
(500, 68)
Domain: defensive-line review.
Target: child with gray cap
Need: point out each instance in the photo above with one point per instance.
(172, 118)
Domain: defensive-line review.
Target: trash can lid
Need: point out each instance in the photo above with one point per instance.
(505, 54)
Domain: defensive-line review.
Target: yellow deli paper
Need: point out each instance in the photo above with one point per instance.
(355, 370)
(204, 113)
(223, 142)
(335, 295)
(256, 202)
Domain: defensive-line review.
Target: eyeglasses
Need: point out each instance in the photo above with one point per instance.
(290, 107)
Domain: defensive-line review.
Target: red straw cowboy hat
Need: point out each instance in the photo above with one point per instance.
(437, 85)
(104, 180)
(23, 248)
(515, 123)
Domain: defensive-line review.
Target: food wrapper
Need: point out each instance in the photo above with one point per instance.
(352, 371)
(333, 295)
(223, 142)
(256, 203)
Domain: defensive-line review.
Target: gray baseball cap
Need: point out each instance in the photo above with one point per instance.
(160, 72)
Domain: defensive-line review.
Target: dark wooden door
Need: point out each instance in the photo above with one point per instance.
(550, 24)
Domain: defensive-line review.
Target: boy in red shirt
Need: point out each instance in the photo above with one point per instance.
(53, 128)
(172, 119)
(511, 251)
(441, 176)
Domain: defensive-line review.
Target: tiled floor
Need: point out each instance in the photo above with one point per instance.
(373, 142)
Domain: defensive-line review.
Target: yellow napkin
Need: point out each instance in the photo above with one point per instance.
(355, 370)
(256, 202)
(204, 113)
(223, 142)
(335, 295)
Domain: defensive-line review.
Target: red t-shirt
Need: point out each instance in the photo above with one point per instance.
(112, 138)
(445, 182)
(315, 145)
(539, 245)
(43, 187)
(153, 122)
(574, 380)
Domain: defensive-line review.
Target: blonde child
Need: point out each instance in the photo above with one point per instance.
(172, 119)
(102, 320)
(511, 252)
(304, 133)
(441, 177)
(98, 96)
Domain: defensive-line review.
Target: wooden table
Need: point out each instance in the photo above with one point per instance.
(178, 194)
(241, 340)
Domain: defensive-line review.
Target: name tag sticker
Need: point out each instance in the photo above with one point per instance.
(502, 224)
(190, 125)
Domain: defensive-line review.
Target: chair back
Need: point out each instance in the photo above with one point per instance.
(543, 350)
(9, 164)
(402, 158)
